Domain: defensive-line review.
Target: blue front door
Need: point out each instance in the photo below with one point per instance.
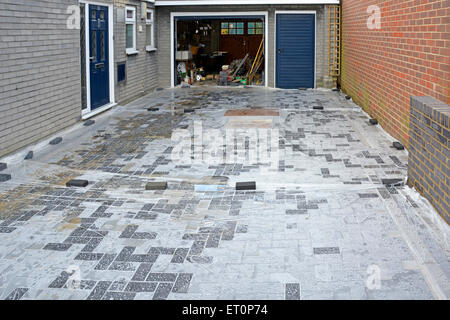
(295, 51)
(99, 55)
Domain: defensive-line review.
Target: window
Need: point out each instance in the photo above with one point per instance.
(130, 19)
(230, 28)
(255, 28)
(150, 29)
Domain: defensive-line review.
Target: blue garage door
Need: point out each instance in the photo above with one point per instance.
(295, 50)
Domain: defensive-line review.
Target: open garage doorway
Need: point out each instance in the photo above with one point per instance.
(226, 49)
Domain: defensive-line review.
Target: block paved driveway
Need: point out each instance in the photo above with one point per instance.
(320, 224)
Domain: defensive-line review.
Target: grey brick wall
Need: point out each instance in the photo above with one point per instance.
(142, 68)
(40, 90)
(429, 152)
(163, 26)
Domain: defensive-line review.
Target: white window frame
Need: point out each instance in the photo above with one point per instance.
(151, 46)
(131, 21)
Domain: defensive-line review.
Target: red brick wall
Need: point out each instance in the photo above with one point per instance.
(408, 56)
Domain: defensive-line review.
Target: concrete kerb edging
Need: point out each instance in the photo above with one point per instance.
(19, 156)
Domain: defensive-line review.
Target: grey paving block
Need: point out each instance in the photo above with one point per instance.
(77, 183)
(56, 141)
(88, 123)
(156, 185)
(249, 185)
(292, 291)
(3, 166)
(5, 177)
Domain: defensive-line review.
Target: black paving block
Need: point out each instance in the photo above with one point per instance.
(336, 90)
(156, 185)
(99, 290)
(327, 250)
(125, 253)
(77, 183)
(162, 277)
(17, 294)
(179, 255)
(88, 123)
(373, 122)
(182, 283)
(60, 281)
(58, 246)
(317, 108)
(163, 291)
(56, 141)
(105, 261)
(141, 287)
(296, 212)
(119, 296)
(5, 177)
(159, 89)
(128, 232)
(393, 182)
(29, 155)
(368, 195)
(153, 109)
(3, 166)
(189, 110)
(348, 97)
(249, 185)
(398, 146)
(89, 256)
(142, 271)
